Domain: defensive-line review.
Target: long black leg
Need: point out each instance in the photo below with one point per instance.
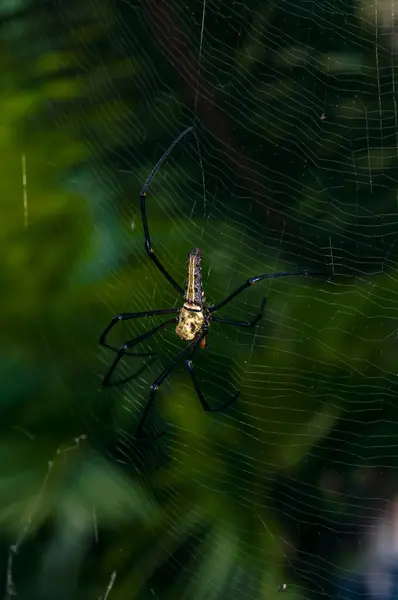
(158, 382)
(122, 352)
(254, 280)
(126, 317)
(144, 192)
(199, 393)
(251, 323)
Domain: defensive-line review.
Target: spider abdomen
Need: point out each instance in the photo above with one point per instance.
(193, 283)
(190, 322)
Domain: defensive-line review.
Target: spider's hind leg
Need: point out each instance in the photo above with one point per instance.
(143, 196)
(149, 250)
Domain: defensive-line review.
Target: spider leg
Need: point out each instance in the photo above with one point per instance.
(128, 316)
(158, 382)
(143, 195)
(251, 323)
(254, 280)
(122, 352)
(199, 393)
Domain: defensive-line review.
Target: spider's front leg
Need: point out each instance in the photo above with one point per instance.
(122, 351)
(158, 382)
(256, 279)
(251, 323)
(127, 317)
(205, 405)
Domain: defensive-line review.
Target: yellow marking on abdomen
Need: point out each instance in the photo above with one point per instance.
(193, 286)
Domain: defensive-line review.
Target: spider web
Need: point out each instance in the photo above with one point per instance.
(292, 164)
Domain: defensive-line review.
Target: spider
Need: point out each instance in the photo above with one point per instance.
(193, 319)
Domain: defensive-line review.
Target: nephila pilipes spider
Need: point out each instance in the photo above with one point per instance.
(193, 319)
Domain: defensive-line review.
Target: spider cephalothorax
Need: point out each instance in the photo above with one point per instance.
(190, 322)
(193, 319)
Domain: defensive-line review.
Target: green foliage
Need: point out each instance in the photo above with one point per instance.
(81, 502)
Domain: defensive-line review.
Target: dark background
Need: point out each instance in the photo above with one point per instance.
(293, 163)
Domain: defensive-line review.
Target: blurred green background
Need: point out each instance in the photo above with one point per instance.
(293, 164)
